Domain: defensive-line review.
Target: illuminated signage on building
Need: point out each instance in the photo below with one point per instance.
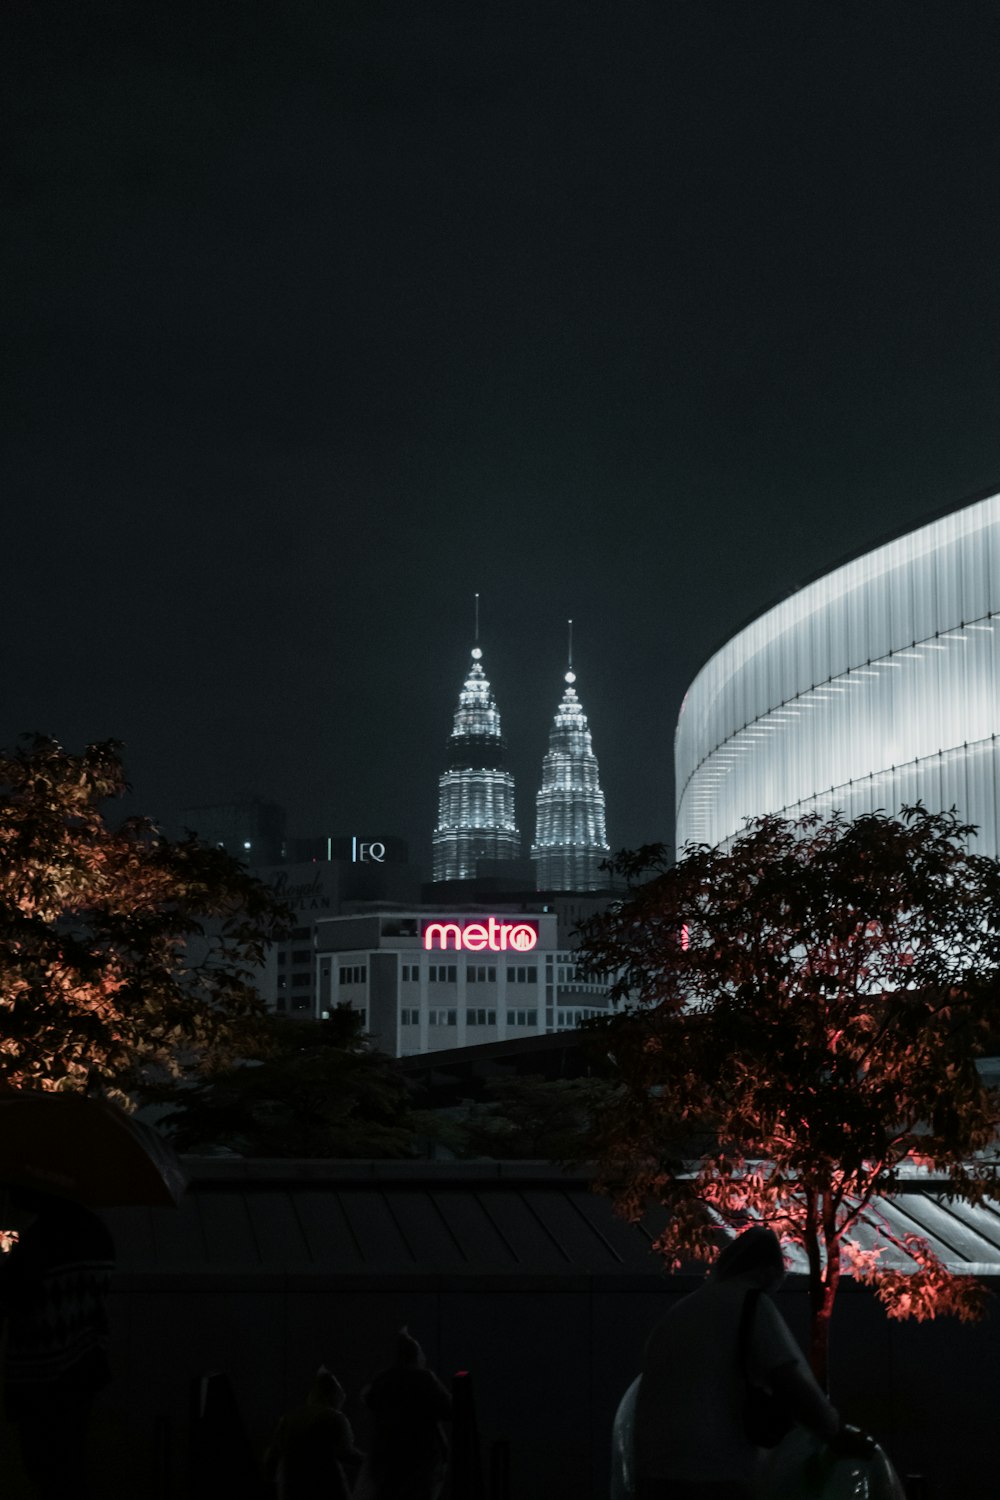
(475, 936)
(367, 851)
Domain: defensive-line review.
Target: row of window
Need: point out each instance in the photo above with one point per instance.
(410, 1016)
(448, 973)
(474, 974)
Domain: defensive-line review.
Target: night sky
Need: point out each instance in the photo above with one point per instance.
(320, 316)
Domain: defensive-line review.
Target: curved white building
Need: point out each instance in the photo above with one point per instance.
(875, 685)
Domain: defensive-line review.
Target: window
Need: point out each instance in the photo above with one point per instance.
(442, 1017)
(442, 973)
(282, 959)
(480, 974)
(522, 974)
(571, 1018)
(480, 1018)
(354, 974)
(300, 980)
(409, 1017)
(411, 973)
(302, 956)
(522, 1018)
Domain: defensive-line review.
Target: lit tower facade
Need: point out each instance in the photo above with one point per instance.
(570, 835)
(476, 793)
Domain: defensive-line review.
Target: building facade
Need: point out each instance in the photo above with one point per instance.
(571, 838)
(316, 889)
(476, 818)
(875, 686)
(435, 978)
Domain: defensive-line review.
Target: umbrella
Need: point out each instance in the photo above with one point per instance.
(85, 1149)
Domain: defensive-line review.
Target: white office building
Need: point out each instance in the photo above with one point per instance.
(430, 978)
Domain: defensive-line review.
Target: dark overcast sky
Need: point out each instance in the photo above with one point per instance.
(321, 315)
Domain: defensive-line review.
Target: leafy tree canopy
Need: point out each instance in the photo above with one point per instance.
(801, 1020)
(533, 1118)
(310, 1089)
(121, 951)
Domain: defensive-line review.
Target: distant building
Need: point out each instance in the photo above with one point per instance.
(434, 978)
(252, 831)
(476, 819)
(571, 839)
(317, 889)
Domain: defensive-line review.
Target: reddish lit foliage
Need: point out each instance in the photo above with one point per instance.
(120, 950)
(801, 1021)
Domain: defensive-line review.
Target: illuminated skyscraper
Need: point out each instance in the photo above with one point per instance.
(475, 794)
(570, 835)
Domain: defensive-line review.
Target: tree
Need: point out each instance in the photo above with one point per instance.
(121, 951)
(310, 1089)
(531, 1117)
(802, 1017)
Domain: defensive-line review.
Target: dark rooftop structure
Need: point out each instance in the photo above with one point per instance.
(517, 1272)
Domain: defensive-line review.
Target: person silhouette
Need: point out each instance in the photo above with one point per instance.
(54, 1285)
(310, 1447)
(690, 1437)
(408, 1454)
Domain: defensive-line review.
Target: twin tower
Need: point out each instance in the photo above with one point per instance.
(476, 826)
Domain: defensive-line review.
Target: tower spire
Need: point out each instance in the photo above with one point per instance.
(476, 793)
(570, 836)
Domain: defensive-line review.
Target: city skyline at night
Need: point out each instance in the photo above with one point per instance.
(644, 316)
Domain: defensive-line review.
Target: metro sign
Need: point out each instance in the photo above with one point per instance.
(491, 935)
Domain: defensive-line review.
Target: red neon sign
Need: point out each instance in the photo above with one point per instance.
(496, 937)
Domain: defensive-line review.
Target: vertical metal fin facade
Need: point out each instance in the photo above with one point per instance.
(874, 686)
